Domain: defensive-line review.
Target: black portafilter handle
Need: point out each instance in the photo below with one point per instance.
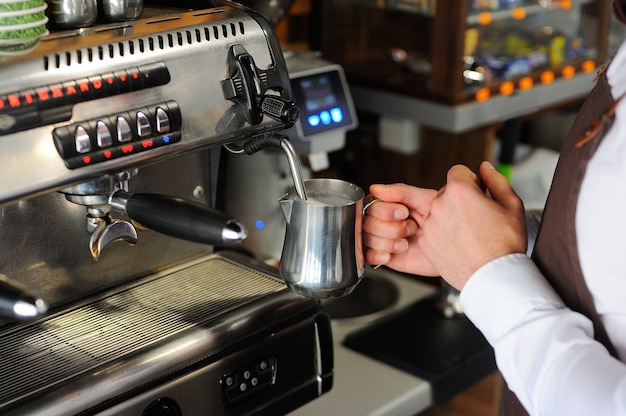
(18, 303)
(180, 218)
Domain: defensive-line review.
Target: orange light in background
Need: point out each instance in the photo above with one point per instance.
(547, 77)
(526, 83)
(518, 13)
(507, 88)
(588, 66)
(483, 94)
(484, 18)
(566, 4)
(568, 71)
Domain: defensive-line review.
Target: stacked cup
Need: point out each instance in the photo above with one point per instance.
(22, 24)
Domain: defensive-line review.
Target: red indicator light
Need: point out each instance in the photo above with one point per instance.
(108, 154)
(71, 90)
(43, 95)
(83, 86)
(28, 97)
(110, 80)
(97, 83)
(135, 75)
(123, 78)
(2, 103)
(86, 160)
(127, 148)
(57, 92)
(14, 101)
(147, 144)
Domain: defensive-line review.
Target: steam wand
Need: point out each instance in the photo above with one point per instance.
(19, 303)
(282, 142)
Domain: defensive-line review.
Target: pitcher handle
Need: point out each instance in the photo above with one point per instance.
(368, 201)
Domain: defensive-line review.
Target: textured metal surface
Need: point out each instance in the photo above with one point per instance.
(194, 46)
(45, 353)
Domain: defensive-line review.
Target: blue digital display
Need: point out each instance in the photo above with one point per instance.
(322, 101)
(336, 115)
(314, 120)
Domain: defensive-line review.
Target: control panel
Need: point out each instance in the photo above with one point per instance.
(129, 132)
(249, 379)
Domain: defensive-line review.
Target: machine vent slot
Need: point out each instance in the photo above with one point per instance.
(143, 45)
(46, 353)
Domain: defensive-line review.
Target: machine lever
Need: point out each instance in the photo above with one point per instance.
(279, 109)
(248, 86)
(179, 218)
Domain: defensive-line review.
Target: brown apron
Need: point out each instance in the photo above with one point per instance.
(555, 251)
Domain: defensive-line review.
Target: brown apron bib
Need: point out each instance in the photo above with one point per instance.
(555, 251)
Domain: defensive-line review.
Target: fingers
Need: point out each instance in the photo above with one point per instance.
(461, 173)
(388, 223)
(389, 229)
(388, 211)
(407, 200)
(377, 257)
(499, 187)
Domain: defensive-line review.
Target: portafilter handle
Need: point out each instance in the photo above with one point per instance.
(179, 218)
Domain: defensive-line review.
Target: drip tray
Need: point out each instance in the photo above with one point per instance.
(371, 297)
(449, 353)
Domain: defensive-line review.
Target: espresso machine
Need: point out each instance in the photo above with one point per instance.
(124, 290)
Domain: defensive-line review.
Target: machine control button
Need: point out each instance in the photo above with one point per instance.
(122, 80)
(124, 132)
(143, 125)
(162, 121)
(82, 140)
(103, 134)
(106, 138)
(249, 379)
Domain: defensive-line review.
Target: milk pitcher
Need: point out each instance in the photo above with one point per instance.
(322, 254)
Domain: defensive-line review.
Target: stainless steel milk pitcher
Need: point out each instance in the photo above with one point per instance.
(322, 254)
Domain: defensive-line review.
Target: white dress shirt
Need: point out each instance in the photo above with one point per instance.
(545, 351)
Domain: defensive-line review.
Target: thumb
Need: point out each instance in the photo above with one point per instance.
(498, 186)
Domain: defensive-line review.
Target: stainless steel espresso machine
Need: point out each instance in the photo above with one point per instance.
(122, 290)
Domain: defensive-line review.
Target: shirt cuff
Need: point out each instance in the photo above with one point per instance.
(506, 293)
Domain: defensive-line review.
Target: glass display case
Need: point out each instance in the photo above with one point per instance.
(459, 51)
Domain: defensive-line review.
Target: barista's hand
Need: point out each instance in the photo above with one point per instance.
(466, 229)
(390, 228)
(450, 233)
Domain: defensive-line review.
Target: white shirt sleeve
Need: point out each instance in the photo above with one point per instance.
(545, 351)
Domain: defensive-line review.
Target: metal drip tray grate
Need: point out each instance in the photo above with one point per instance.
(35, 356)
